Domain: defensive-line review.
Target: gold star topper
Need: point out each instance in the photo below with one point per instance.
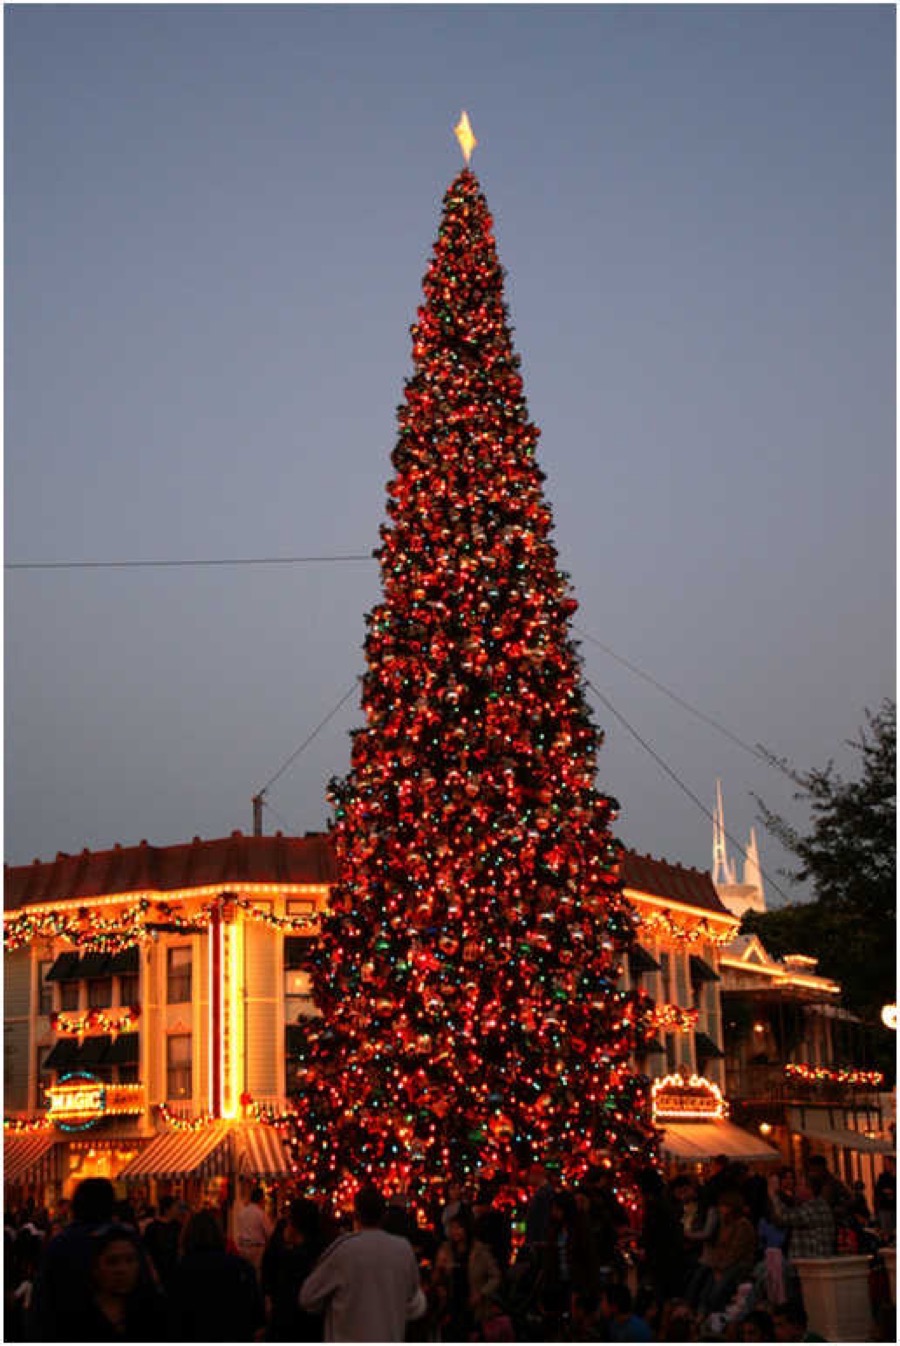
(465, 135)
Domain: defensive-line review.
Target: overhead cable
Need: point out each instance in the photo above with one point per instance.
(680, 783)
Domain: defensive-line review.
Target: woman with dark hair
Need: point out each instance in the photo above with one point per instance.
(215, 1295)
(121, 1305)
(450, 1304)
(662, 1237)
(290, 1256)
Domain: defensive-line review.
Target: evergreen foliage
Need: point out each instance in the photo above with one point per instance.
(469, 969)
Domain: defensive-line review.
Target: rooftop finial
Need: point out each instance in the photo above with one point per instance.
(465, 135)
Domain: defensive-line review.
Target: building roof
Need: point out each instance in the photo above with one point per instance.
(224, 861)
(278, 859)
(659, 879)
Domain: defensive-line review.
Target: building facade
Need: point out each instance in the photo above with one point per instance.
(798, 1065)
(155, 995)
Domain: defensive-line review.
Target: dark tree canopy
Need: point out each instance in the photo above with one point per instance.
(848, 855)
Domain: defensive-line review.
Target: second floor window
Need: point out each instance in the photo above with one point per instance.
(179, 1078)
(100, 993)
(178, 975)
(69, 995)
(45, 987)
(128, 989)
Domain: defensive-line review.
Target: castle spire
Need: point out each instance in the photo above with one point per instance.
(723, 871)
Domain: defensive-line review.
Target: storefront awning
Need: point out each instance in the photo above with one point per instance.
(122, 1051)
(816, 1124)
(65, 968)
(706, 1049)
(700, 970)
(640, 961)
(697, 1141)
(184, 1154)
(29, 1157)
(260, 1151)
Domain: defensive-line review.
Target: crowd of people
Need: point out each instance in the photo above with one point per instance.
(689, 1261)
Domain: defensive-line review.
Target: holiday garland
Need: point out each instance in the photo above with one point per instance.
(133, 924)
(832, 1075)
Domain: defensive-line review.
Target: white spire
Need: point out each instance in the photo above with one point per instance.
(722, 869)
(753, 877)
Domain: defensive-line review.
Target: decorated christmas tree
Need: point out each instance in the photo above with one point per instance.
(469, 969)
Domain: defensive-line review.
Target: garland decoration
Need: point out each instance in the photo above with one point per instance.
(135, 923)
(119, 1019)
(673, 1019)
(832, 1074)
(662, 924)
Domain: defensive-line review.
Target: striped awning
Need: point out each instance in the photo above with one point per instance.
(184, 1154)
(260, 1151)
(700, 1141)
(816, 1123)
(29, 1157)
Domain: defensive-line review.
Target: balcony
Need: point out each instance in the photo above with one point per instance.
(766, 1082)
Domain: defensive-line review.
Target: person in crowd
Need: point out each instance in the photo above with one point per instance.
(719, 1179)
(537, 1217)
(758, 1325)
(121, 1304)
(886, 1198)
(607, 1218)
(23, 1255)
(253, 1228)
(451, 1294)
(587, 1319)
(215, 1294)
(555, 1265)
(125, 1213)
(367, 1282)
(732, 1255)
(289, 1257)
(496, 1225)
(485, 1278)
(61, 1286)
(622, 1323)
(454, 1205)
(791, 1323)
(835, 1192)
(678, 1322)
(661, 1239)
(161, 1237)
(811, 1221)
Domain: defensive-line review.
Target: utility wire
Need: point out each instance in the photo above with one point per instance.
(309, 738)
(216, 561)
(680, 783)
(367, 556)
(633, 668)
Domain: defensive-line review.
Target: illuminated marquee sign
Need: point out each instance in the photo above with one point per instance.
(679, 1098)
(81, 1100)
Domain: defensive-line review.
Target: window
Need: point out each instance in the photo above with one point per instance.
(665, 972)
(45, 987)
(179, 1076)
(42, 1075)
(100, 993)
(69, 995)
(128, 989)
(298, 996)
(178, 974)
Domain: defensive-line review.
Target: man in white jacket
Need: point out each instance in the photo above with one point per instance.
(366, 1283)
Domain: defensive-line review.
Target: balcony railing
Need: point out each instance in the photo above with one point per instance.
(768, 1083)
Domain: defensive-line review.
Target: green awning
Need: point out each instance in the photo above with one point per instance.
(701, 971)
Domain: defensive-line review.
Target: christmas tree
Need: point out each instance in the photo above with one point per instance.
(468, 970)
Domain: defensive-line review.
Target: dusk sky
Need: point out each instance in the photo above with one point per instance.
(217, 222)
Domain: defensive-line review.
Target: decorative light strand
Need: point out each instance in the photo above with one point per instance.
(832, 1074)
